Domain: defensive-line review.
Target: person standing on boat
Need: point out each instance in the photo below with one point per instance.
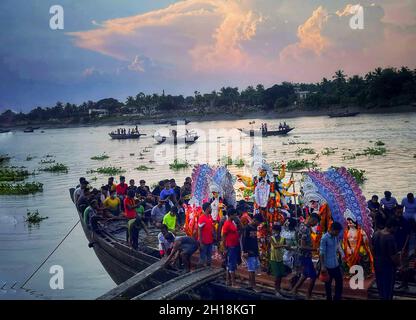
(306, 249)
(158, 213)
(170, 219)
(386, 259)
(251, 249)
(183, 248)
(206, 235)
(328, 252)
(231, 243)
(409, 204)
(121, 190)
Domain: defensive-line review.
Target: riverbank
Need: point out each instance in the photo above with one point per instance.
(217, 115)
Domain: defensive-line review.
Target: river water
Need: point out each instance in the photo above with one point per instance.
(23, 248)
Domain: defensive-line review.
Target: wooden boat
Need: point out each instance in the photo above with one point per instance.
(186, 139)
(123, 262)
(343, 114)
(29, 130)
(126, 136)
(267, 133)
(173, 122)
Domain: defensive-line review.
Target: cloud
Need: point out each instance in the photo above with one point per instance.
(247, 41)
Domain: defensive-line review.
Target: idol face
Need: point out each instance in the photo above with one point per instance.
(262, 173)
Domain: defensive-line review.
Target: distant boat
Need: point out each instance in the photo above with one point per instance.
(29, 130)
(172, 122)
(4, 130)
(343, 114)
(188, 138)
(267, 133)
(119, 136)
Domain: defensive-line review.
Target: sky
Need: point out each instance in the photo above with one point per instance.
(122, 47)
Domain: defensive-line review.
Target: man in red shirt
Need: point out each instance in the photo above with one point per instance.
(121, 190)
(231, 242)
(206, 235)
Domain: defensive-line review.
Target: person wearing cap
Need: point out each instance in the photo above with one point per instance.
(251, 249)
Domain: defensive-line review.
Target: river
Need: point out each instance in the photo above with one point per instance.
(23, 248)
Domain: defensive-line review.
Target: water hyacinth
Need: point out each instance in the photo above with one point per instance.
(10, 174)
(179, 164)
(57, 168)
(100, 157)
(108, 170)
(33, 217)
(20, 188)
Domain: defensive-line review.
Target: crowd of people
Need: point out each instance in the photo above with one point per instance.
(234, 236)
(124, 131)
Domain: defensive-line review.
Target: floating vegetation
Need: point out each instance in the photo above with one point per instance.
(58, 167)
(29, 158)
(379, 143)
(4, 158)
(49, 156)
(359, 175)
(305, 151)
(100, 157)
(144, 168)
(47, 161)
(226, 161)
(94, 179)
(179, 164)
(20, 188)
(351, 156)
(379, 151)
(239, 163)
(33, 217)
(293, 142)
(295, 165)
(328, 151)
(11, 175)
(108, 170)
(131, 154)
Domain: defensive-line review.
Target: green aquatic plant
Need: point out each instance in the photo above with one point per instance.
(49, 156)
(20, 188)
(58, 167)
(379, 151)
(108, 170)
(379, 143)
(239, 163)
(49, 161)
(33, 217)
(10, 174)
(179, 164)
(359, 175)
(100, 157)
(4, 158)
(295, 165)
(305, 151)
(29, 158)
(144, 168)
(328, 151)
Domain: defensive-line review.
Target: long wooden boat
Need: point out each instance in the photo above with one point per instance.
(123, 262)
(267, 133)
(343, 114)
(187, 139)
(117, 136)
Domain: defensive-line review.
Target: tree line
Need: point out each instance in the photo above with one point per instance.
(381, 88)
